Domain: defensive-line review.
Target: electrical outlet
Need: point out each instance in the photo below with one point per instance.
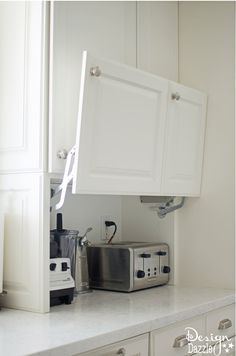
(106, 231)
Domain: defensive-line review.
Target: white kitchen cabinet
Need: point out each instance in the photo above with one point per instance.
(184, 141)
(162, 341)
(120, 135)
(24, 187)
(24, 199)
(221, 322)
(107, 29)
(22, 60)
(157, 38)
(137, 133)
(137, 346)
(123, 147)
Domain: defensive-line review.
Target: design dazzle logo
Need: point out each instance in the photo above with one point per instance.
(213, 344)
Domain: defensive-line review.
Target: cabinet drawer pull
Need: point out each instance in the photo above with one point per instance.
(121, 352)
(181, 341)
(95, 71)
(225, 324)
(62, 154)
(175, 96)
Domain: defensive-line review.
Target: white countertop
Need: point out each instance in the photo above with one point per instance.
(101, 318)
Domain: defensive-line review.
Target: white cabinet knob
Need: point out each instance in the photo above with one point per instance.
(175, 96)
(62, 154)
(95, 71)
(225, 324)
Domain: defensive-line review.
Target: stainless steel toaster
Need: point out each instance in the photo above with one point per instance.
(128, 266)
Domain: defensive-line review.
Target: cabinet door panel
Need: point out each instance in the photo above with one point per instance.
(106, 29)
(26, 241)
(184, 141)
(120, 130)
(137, 346)
(22, 79)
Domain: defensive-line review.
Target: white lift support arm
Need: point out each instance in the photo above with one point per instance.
(67, 177)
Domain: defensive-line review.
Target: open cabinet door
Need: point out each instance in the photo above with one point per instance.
(120, 129)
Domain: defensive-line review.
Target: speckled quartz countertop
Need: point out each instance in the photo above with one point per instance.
(101, 318)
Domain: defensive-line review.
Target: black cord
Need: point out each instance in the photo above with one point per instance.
(108, 224)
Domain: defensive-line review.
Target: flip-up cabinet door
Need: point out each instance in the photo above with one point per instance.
(185, 130)
(120, 133)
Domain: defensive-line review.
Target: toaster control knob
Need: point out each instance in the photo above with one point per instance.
(140, 274)
(52, 266)
(64, 266)
(145, 255)
(166, 269)
(161, 253)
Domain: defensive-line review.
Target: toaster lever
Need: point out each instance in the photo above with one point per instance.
(145, 255)
(161, 253)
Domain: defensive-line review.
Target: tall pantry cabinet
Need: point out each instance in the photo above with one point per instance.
(24, 186)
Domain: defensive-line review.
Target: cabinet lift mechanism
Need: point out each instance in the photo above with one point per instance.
(164, 205)
(67, 178)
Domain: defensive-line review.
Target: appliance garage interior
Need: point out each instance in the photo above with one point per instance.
(116, 158)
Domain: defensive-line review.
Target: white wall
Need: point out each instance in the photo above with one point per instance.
(83, 211)
(205, 226)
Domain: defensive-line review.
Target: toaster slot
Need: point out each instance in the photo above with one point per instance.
(151, 266)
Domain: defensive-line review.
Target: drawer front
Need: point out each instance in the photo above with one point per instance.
(225, 348)
(170, 341)
(221, 322)
(137, 346)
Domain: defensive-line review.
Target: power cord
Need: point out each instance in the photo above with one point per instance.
(108, 224)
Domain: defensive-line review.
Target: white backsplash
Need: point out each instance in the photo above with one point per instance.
(83, 211)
